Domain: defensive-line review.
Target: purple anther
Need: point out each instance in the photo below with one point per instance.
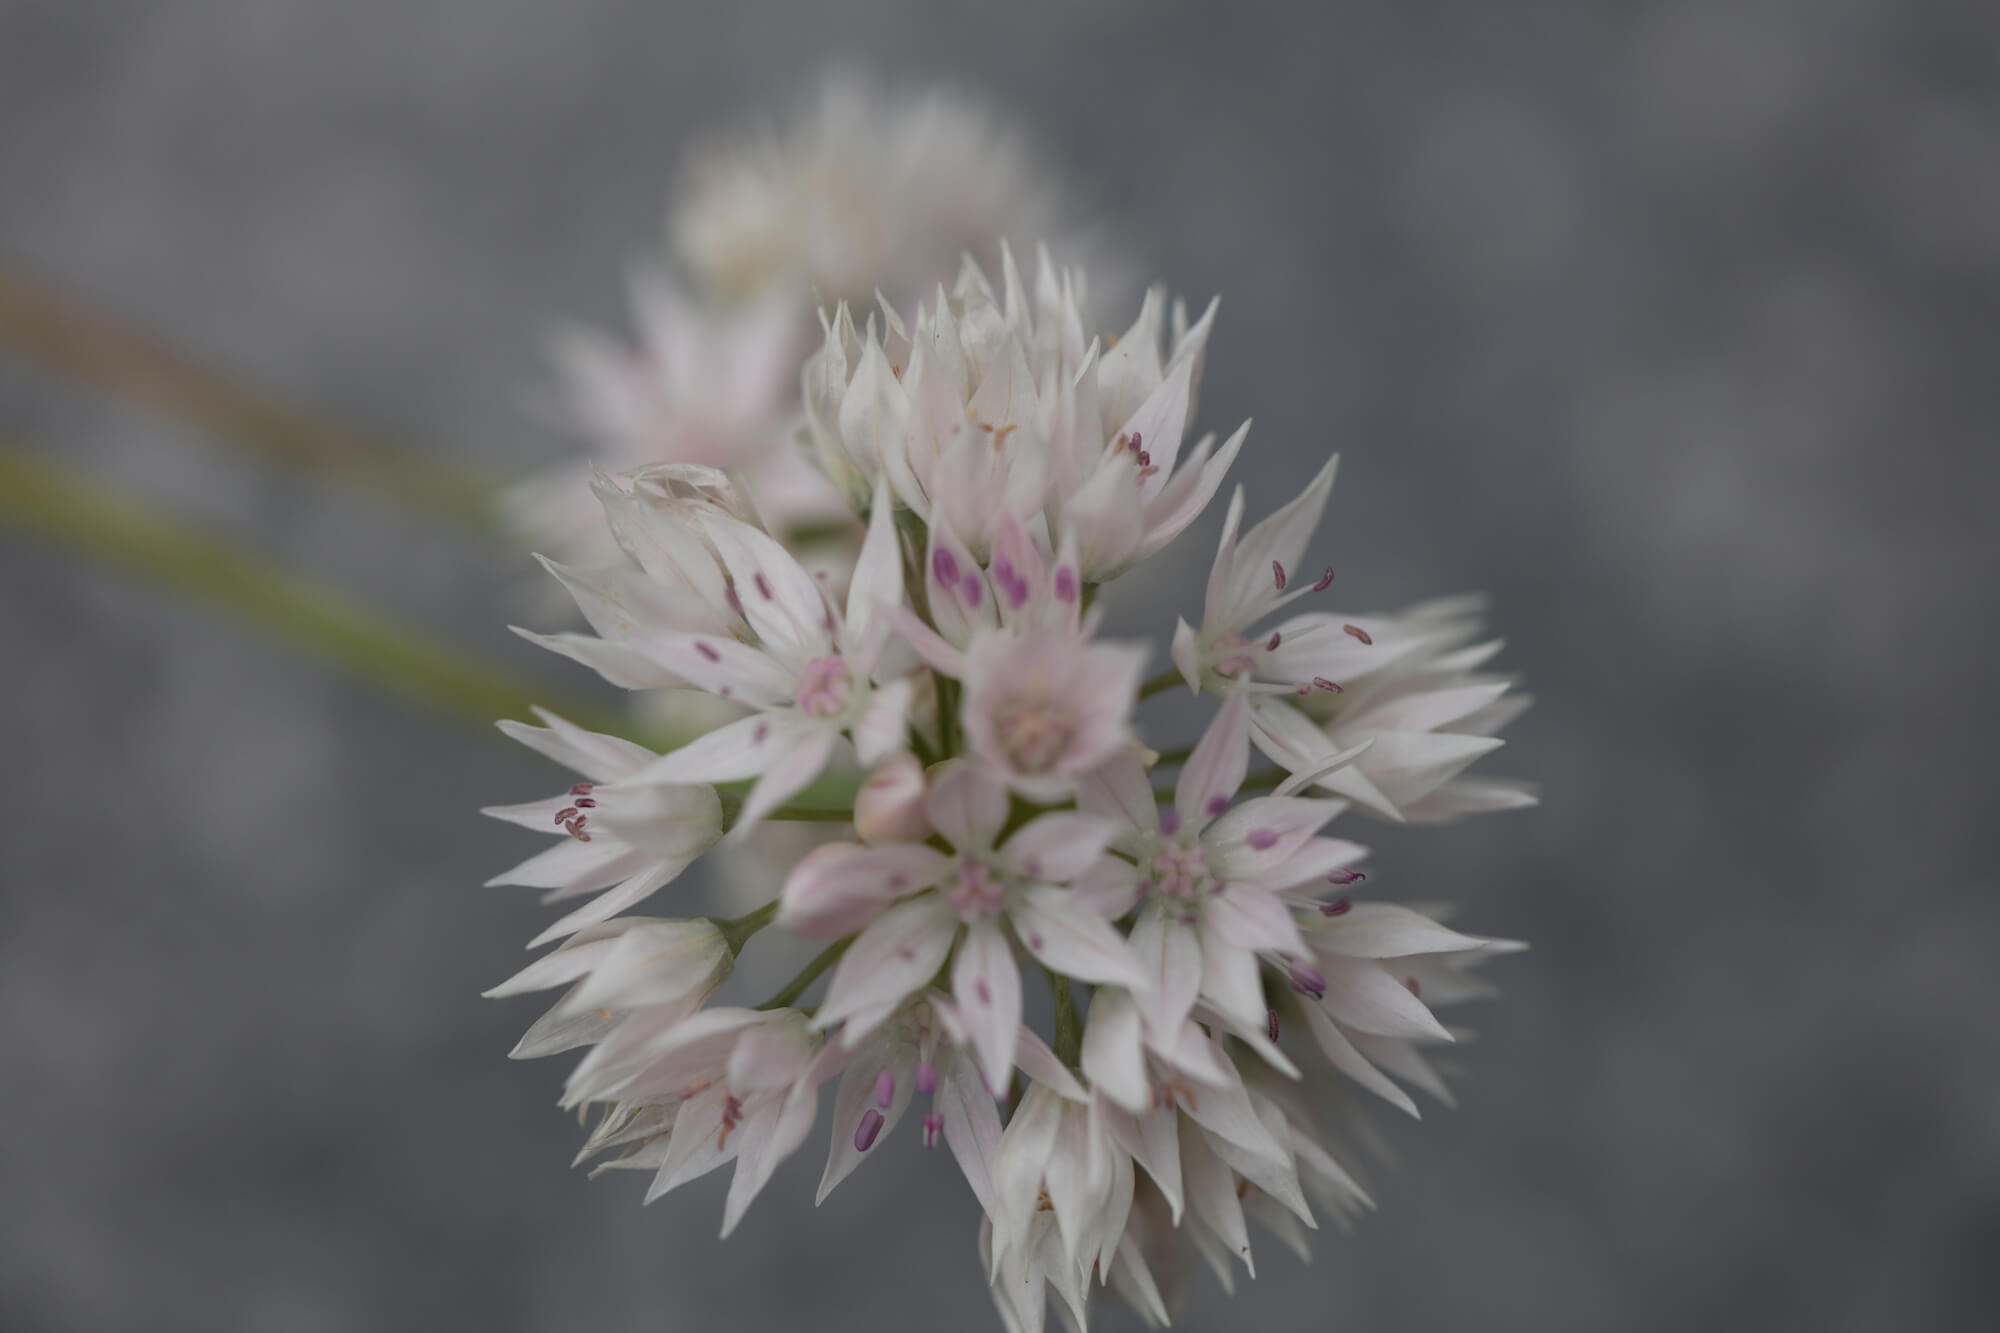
(944, 566)
(1217, 804)
(1356, 632)
(1325, 580)
(707, 650)
(885, 1089)
(1306, 980)
(1065, 584)
(1271, 644)
(926, 1077)
(865, 1132)
(1271, 1024)
(1323, 683)
(969, 587)
(1345, 877)
(1278, 575)
(1170, 821)
(1262, 839)
(933, 1126)
(1338, 907)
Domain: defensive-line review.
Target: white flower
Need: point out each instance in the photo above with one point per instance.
(1379, 967)
(723, 1085)
(861, 192)
(1045, 707)
(807, 680)
(704, 385)
(995, 406)
(668, 969)
(1064, 1190)
(1215, 879)
(624, 837)
(915, 906)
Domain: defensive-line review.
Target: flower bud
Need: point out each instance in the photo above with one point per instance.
(890, 806)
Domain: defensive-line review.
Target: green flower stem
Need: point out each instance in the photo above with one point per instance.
(1161, 683)
(61, 334)
(736, 931)
(44, 499)
(808, 974)
(1177, 756)
(1069, 1027)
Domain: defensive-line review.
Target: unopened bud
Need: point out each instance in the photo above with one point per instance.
(890, 805)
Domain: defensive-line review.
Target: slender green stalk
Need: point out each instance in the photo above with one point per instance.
(62, 334)
(736, 931)
(1069, 1026)
(1179, 755)
(1161, 683)
(45, 499)
(808, 974)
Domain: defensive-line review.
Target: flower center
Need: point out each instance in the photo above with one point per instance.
(824, 687)
(1034, 733)
(1179, 871)
(978, 892)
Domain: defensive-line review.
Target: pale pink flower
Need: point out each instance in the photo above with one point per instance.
(623, 837)
(1046, 706)
(913, 905)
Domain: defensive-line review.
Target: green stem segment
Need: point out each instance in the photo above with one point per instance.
(736, 931)
(64, 335)
(1069, 1025)
(44, 499)
(1161, 683)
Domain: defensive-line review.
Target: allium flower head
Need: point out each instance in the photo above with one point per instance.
(973, 758)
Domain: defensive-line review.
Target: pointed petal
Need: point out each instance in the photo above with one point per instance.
(891, 959)
(1073, 941)
(789, 774)
(986, 982)
(1055, 848)
(966, 803)
(839, 888)
(1213, 773)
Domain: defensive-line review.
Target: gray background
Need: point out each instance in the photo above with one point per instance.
(1673, 325)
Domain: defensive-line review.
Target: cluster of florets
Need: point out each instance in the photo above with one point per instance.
(938, 698)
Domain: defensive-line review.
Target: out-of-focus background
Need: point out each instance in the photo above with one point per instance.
(1675, 326)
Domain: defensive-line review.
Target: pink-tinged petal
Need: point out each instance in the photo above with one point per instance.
(884, 723)
(1186, 654)
(971, 1128)
(893, 958)
(1281, 540)
(967, 804)
(1108, 889)
(960, 599)
(1191, 1052)
(1470, 796)
(697, 1146)
(1213, 773)
(1429, 709)
(986, 983)
(1170, 952)
(1067, 937)
(1258, 1038)
(1119, 789)
(1025, 1151)
(671, 823)
(857, 1097)
(1253, 919)
(1364, 996)
(656, 965)
(722, 666)
(745, 748)
(561, 966)
(1314, 862)
(1169, 513)
(1406, 1062)
(575, 867)
(771, 1053)
(1152, 1139)
(1231, 1118)
(1344, 777)
(597, 757)
(1161, 423)
(1114, 1050)
(768, 1137)
(1274, 1174)
(1342, 1054)
(1016, 569)
(877, 581)
(561, 1029)
(890, 805)
(936, 653)
(1211, 1194)
(626, 894)
(623, 664)
(1260, 835)
(1229, 979)
(1056, 848)
(1407, 766)
(839, 888)
(780, 600)
(1033, 1057)
(788, 775)
(1386, 930)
